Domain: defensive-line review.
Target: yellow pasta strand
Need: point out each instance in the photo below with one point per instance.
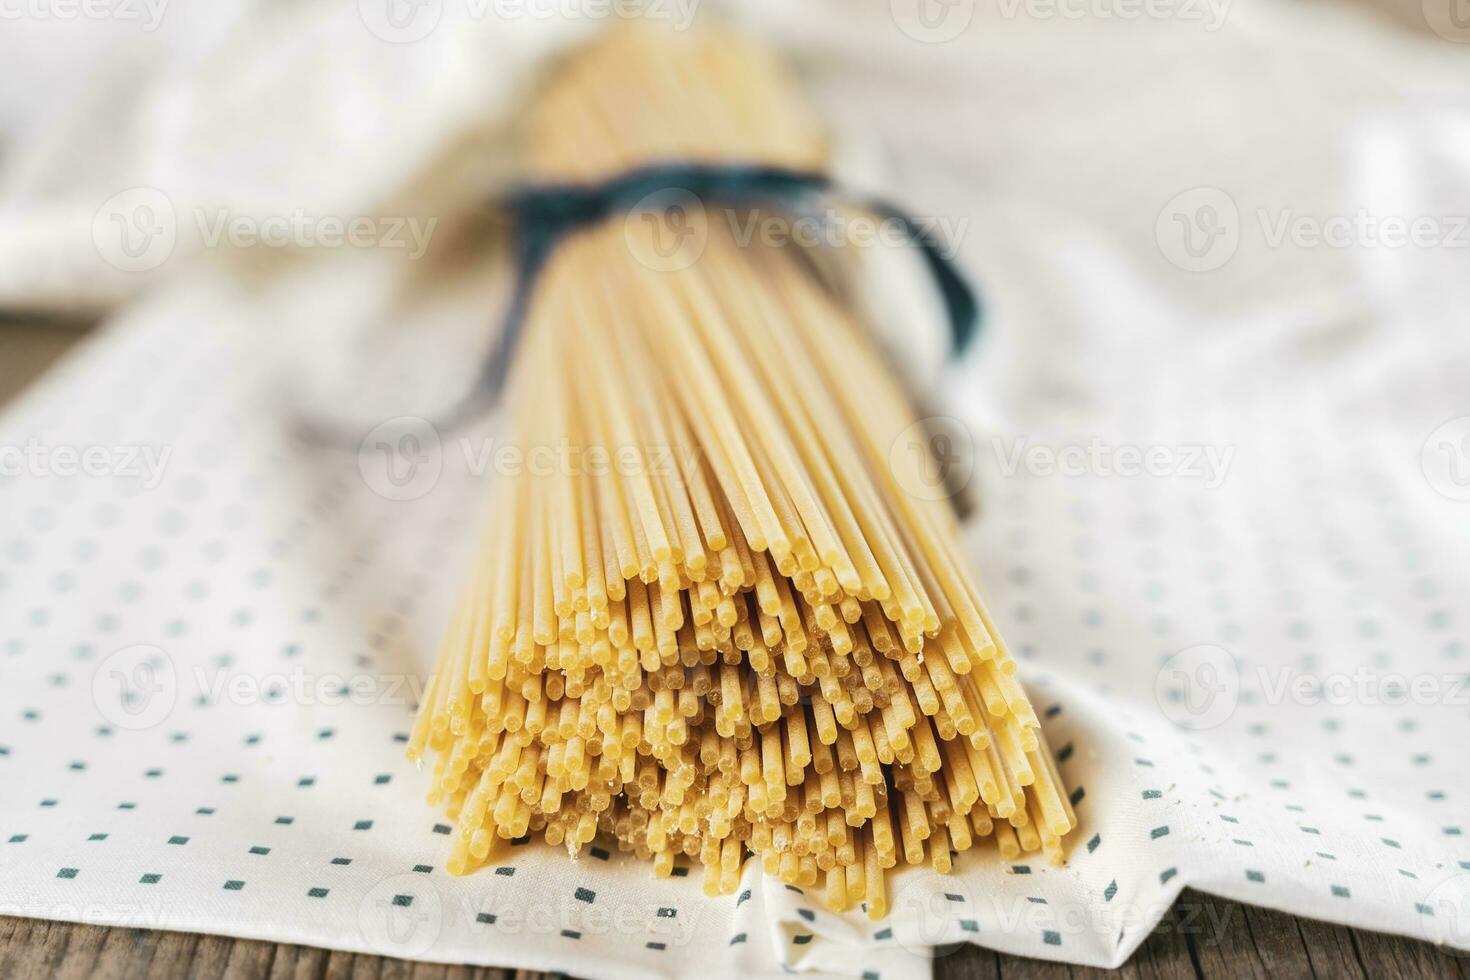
(717, 626)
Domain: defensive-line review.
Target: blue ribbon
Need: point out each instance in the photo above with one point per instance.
(544, 214)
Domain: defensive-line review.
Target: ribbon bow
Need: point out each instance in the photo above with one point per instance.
(544, 214)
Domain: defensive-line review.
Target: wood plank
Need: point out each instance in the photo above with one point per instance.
(29, 346)
(1202, 938)
(1330, 949)
(1256, 946)
(1399, 956)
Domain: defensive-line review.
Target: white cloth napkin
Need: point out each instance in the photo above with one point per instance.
(1250, 657)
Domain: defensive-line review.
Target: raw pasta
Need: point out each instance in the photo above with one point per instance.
(708, 620)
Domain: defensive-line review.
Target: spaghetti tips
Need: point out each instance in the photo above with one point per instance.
(707, 620)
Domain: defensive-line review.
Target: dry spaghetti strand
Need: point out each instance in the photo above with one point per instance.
(708, 621)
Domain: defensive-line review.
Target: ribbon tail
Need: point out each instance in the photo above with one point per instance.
(960, 299)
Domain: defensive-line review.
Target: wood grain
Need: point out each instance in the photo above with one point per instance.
(1202, 938)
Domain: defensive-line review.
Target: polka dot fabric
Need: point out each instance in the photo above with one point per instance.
(210, 667)
(212, 655)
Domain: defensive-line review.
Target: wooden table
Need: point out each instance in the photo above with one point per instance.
(1202, 937)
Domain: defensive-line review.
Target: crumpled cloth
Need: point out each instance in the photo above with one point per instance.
(1222, 469)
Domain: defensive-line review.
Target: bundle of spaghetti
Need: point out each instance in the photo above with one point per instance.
(706, 618)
